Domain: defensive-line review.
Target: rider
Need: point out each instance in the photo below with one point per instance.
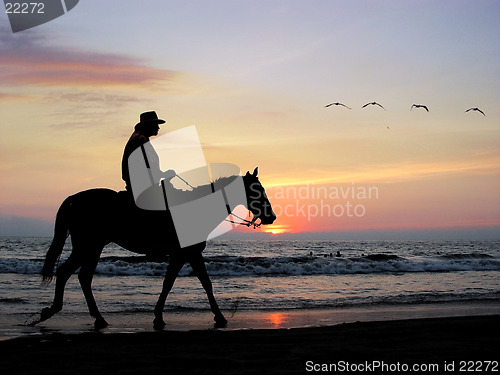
(147, 126)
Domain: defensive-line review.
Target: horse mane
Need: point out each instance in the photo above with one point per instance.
(222, 182)
(183, 196)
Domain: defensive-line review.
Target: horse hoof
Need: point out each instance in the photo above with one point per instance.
(100, 323)
(46, 313)
(220, 322)
(158, 324)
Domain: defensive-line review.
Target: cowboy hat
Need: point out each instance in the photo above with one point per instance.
(150, 118)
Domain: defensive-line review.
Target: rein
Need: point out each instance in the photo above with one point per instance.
(183, 180)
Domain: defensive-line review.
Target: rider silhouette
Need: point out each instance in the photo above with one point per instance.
(147, 126)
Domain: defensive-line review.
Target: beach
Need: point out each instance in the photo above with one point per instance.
(428, 343)
(291, 307)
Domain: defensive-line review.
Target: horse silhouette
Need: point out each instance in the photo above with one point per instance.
(96, 217)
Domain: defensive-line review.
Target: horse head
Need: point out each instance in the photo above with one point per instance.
(257, 201)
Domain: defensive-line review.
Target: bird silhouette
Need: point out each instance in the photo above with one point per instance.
(374, 103)
(419, 106)
(337, 103)
(475, 109)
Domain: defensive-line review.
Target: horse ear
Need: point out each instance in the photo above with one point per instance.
(256, 171)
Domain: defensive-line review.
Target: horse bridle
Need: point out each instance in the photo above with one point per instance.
(245, 222)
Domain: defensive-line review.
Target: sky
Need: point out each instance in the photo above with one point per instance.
(254, 78)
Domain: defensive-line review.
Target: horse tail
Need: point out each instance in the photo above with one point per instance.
(61, 232)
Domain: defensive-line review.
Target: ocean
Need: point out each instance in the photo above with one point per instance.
(264, 275)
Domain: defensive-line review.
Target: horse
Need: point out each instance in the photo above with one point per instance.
(97, 217)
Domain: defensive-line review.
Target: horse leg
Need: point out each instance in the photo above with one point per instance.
(174, 266)
(63, 274)
(85, 277)
(198, 264)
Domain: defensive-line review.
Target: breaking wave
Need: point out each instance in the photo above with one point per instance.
(294, 266)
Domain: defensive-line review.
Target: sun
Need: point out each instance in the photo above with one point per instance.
(276, 229)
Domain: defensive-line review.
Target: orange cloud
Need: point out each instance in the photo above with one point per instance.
(78, 69)
(393, 173)
(24, 60)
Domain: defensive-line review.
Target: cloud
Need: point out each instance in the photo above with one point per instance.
(9, 96)
(97, 98)
(390, 173)
(87, 107)
(27, 60)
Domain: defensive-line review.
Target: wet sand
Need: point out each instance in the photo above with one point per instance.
(432, 341)
(67, 322)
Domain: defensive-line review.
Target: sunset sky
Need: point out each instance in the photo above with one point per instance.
(254, 78)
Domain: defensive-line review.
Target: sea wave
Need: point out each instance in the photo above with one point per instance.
(293, 266)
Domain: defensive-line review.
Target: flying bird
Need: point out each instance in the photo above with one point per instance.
(337, 103)
(419, 106)
(374, 103)
(475, 109)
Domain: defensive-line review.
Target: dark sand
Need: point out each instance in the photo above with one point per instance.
(439, 341)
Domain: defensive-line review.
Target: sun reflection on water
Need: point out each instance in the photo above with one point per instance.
(277, 319)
